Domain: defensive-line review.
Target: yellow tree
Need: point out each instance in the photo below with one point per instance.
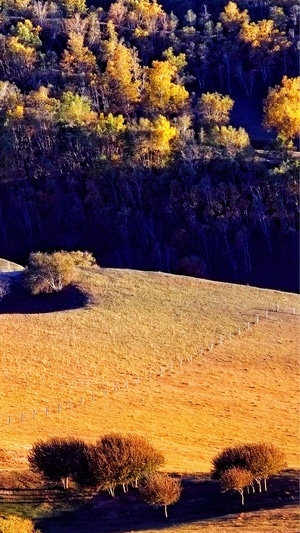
(215, 108)
(78, 59)
(232, 18)
(123, 74)
(282, 110)
(154, 141)
(110, 130)
(75, 110)
(40, 106)
(265, 41)
(232, 140)
(161, 93)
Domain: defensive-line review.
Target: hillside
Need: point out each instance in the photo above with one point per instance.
(131, 361)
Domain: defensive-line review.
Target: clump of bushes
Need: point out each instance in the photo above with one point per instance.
(47, 273)
(241, 466)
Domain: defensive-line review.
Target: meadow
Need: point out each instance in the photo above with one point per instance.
(191, 364)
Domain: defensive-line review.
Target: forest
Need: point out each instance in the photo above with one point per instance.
(157, 136)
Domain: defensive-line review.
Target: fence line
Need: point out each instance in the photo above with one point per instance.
(117, 387)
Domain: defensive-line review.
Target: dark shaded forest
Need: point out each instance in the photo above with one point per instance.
(146, 133)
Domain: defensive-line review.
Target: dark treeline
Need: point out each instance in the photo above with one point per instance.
(107, 145)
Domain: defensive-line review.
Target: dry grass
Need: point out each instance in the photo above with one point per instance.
(270, 521)
(246, 389)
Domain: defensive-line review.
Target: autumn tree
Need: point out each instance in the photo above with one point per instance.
(282, 110)
(59, 459)
(215, 108)
(261, 459)
(123, 76)
(232, 18)
(265, 41)
(231, 140)
(161, 490)
(162, 94)
(236, 479)
(78, 59)
(75, 110)
(118, 459)
(153, 141)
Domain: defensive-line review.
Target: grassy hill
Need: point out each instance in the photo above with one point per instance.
(131, 361)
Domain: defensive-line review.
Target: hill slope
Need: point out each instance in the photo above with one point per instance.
(124, 364)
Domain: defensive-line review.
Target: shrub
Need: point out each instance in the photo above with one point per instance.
(46, 273)
(15, 524)
(161, 490)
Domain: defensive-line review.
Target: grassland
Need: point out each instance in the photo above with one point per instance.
(136, 359)
(124, 364)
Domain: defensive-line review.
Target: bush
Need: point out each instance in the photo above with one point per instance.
(46, 273)
(161, 490)
(15, 524)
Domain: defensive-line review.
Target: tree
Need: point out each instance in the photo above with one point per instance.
(162, 94)
(58, 459)
(75, 110)
(78, 59)
(282, 109)
(153, 141)
(15, 524)
(215, 108)
(231, 139)
(232, 19)
(161, 490)
(236, 479)
(46, 273)
(261, 459)
(118, 459)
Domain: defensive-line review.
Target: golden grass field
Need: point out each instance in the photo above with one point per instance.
(124, 363)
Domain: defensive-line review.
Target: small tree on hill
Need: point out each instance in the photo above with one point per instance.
(48, 273)
(161, 490)
(58, 459)
(236, 479)
(15, 524)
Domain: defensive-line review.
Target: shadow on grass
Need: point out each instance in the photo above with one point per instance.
(201, 499)
(19, 301)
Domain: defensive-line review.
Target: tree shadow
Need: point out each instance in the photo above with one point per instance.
(201, 499)
(19, 301)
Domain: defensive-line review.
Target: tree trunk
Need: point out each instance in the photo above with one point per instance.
(265, 484)
(242, 495)
(166, 512)
(65, 482)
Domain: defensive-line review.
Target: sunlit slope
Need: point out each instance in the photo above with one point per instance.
(124, 364)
